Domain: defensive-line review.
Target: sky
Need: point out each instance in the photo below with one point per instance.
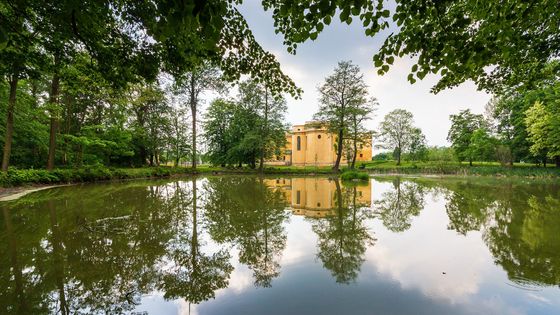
(317, 59)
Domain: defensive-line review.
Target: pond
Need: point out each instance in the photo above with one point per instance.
(312, 245)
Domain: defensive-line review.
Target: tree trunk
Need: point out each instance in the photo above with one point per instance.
(10, 123)
(193, 114)
(194, 238)
(338, 150)
(399, 156)
(57, 252)
(470, 162)
(265, 129)
(544, 162)
(353, 165)
(53, 99)
(557, 160)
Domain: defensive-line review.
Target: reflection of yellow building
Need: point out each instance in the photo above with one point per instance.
(312, 144)
(316, 197)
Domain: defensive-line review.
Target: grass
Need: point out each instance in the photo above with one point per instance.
(463, 169)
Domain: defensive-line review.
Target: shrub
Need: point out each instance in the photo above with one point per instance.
(354, 175)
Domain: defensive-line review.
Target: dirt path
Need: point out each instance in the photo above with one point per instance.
(13, 193)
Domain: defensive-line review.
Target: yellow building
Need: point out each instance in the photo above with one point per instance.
(316, 197)
(311, 144)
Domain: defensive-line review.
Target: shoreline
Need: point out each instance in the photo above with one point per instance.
(9, 193)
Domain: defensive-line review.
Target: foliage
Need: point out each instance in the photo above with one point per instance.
(16, 177)
(459, 40)
(463, 126)
(444, 154)
(543, 127)
(251, 127)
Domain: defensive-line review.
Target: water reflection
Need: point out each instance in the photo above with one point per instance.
(104, 248)
(245, 213)
(397, 206)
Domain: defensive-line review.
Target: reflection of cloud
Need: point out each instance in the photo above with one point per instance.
(419, 264)
(296, 249)
(185, 309)
(241, 278)
(538, 298)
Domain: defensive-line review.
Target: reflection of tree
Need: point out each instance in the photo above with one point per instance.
(397, 207)
(193, 276)
(98, 249)
(519, 225)
(524, 239)
(466, 206)
(245, 212)
(343, 238)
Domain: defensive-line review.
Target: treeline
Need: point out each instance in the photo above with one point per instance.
(110, 83)
(521, 125)
(247, 129)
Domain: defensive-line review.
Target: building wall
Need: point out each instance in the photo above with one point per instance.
(316, 148)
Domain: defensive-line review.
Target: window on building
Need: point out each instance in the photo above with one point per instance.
(298, 197)
(319, 137)
(318, 205)
(361, 155)
(298, 143)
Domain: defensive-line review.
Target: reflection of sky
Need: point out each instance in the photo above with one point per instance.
(403, 274)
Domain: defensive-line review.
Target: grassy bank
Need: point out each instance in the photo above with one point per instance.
(20, 177)
(462, 169)
(16, 177)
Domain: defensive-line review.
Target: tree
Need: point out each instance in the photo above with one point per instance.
(463, 125)
(342, 93)
(459, 40)
(482, 146)
(397, 132)
(193, 85)
(179, 136)
(217, 130)
(357, 134)
(418, 149)
(543, 127)
(151, 122)
(249, 128)
(19, 57)
(270, 111)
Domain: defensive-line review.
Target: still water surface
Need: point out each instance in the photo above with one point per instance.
(247, 245)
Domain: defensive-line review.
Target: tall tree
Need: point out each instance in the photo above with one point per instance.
(341, 93)
(270, 110)
(463, 126)
(193, 84)
(358, 135)
(397, 132)
(217, 130)
(543, 127)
